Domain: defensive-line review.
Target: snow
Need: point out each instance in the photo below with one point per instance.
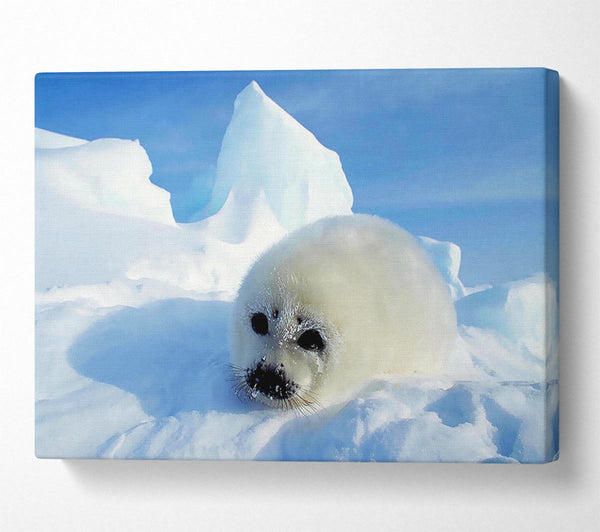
(150, 381)
(132, 311)
(83, 197)
(524, 311)
(105, 175)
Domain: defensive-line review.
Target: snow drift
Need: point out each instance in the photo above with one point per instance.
(132, 310)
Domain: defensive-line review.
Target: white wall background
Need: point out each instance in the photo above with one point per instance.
(192, 35)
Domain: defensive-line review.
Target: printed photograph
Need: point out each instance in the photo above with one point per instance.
(328, 265)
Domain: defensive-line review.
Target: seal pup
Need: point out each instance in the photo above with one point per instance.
(333, 305)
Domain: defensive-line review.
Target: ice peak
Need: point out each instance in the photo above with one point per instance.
(252, 97)
(253, 88)
(266, 151)
(253, 105)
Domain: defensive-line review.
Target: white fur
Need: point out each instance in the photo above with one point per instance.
(366, 286)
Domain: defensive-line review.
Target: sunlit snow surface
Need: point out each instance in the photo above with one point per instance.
(132, 312)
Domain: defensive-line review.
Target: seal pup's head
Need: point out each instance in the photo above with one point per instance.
(282, 346)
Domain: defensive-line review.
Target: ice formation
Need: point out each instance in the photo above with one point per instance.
(446, 256)
(132, 308)
(266, 150)
(273, 175)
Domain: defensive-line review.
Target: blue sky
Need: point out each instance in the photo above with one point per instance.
(456, 155)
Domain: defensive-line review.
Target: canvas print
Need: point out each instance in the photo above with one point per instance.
(352, 265)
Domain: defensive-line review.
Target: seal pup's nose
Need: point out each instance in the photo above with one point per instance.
(271, 381)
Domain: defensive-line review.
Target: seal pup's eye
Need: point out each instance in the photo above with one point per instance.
(260, 324)
(311, 340)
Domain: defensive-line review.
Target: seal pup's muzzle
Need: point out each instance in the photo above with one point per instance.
(271, 381)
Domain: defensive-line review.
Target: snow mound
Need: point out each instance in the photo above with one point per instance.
(266, 150)
(77, 245)
(105, 175)
(525, 312)
(446, 256)
(493, 356)
(416, 422)
(409, 423)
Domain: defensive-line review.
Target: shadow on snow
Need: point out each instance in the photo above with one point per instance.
(171, 354)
